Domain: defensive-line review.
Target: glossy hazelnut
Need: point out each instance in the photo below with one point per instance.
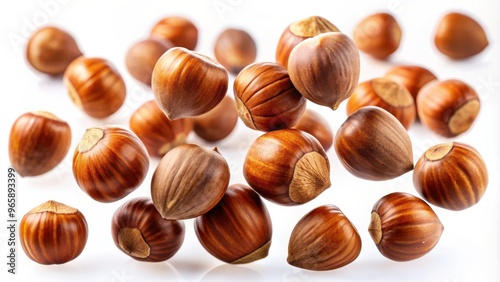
(448, 107)
(266, 98)
(218, 123)
(459, 36)
(314, 66)
(314, 124)
(238, 229)
(178, 30)
(189, 181)
(378, 35)
(95, 86)
(451, 175)
(404, 227)
(50, 50)
(53, 233)
(235, 49)
(323, 239)
(299, 31)
(38, 142)
(287, 167)
(411, 77)
(386, 94)
(372, 144)
(109, 163)
(140, 232)
(156, 131)
(142, 57)
(187, 84)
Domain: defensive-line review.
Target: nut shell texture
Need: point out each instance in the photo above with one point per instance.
(178, 30)
(50, 50)
(140, 232)
(238, 229)
(451, 175)
(448, 107)
(299, 31)
(314, 124)
(141, 58)
(218, 123)
(235, 49)
(38, 142)
(372, 144)
(109, 163)
(189, 181)
(324, 239)
(325, 68)
(156, 131)
(287, 166)
(378, 35)
(95, 86)
(186, 83)
(53, 233)
(266, 98)
(404, 227)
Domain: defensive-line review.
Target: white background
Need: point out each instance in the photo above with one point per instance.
(469, 248)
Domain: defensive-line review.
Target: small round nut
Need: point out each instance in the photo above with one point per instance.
(378, 35)
(235, 49)
(179, 30)
(142, 57)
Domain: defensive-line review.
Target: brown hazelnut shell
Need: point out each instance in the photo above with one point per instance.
(378, 35)
(266, 98)
(38, 142)
(451, 175)
(218, 123)
(179, 30)
(109, 163)
(323, 239)
(141, 58)
(235, 49)
(287, 167)
(238, 229)
(314, 124)
(140, 232)
(95, 86)
(404, 227)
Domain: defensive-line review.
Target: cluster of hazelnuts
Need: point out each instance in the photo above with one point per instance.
(287, 165)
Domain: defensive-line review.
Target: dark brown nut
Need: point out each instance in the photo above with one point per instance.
(314, 124)
(139, 231)
(218, 123)
(266, 98)
(238, 229)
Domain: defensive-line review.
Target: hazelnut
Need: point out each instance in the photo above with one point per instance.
(95, 86)
(218, 123)
(142, 57)
(189, 181)
(323, 239)
(266, 98)
(38, 142)
(109, 163)
(448, 107)
(140, 232)
(452, 175)
(372, 144)
(50, 50)
(378, 35)
(53, 233)
(235, 49)
(287, 167)
(314, 124)
(186, 83)
(299, 31)
(411, 77)
(386, 94)
(459, 36)
(156, 131)
(315, 64)
(238, 229)
(404, 227)
(178, 30)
